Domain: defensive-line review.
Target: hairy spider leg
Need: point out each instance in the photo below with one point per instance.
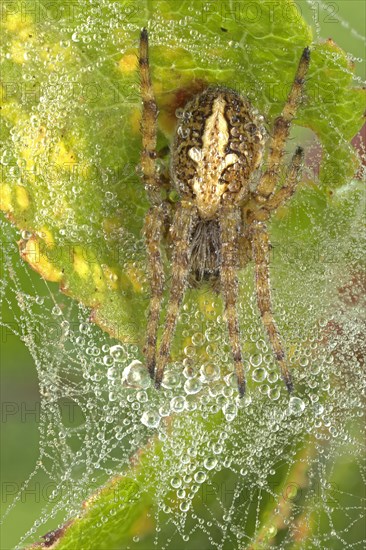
(153, 219)
(261, 248)
(184, 220)
(148, 124)
(260, 244)
(153, 233)
(270, 178)
(282, 194)
(229, 221)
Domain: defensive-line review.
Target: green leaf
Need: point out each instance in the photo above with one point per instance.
(118, 506)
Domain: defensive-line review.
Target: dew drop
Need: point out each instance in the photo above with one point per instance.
(296, 406)
(209, 372)
(230, 411)
(56, 311)
(176, 482)
(178, 403)
(135, 375)
(117, 352)
(192, 386)
(108, 360)
(259, 374)
(274, 394)
(200, 477)
(184, 506)
(171, 380)
(151, 419)
(210, 462)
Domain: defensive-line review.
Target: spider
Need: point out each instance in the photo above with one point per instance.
(219, 223)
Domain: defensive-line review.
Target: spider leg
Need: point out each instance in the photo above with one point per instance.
(245, 246)
(261, 247)
(281, 130)
(157, 215)
(184, 219)
(153, 231)
(283, 194)
(148, 125)
(229, 228)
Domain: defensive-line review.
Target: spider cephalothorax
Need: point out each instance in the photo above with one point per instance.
(219, 223)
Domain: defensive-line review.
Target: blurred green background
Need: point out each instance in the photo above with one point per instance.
(19, 387)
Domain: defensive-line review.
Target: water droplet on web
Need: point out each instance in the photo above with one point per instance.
(171, 379)
(243, 402)
(151, 419)
(259, 374)
(210, 462)
(274, 394)
(200, 476)
(210, 372)
(184, 506)
(189, 371)
(181, 493)
(141, 396)
(84, 328)
(112, 373)
(164, 410)
(318, 409)
(56, 311)
(230, 411)
(192, 386)
(117, 352)
(176, 482)
(315, 368)
(231, 380)
(217, 448)
(264, 389)
(26, 235)
(272, 377)
(108, 360)
(177, 404)
(296, 406)
(211, 334)
(198, 339)
(136, 375)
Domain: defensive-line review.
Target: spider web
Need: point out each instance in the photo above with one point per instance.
(224, 463)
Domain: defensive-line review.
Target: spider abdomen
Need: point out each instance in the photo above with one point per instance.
(218, 146)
